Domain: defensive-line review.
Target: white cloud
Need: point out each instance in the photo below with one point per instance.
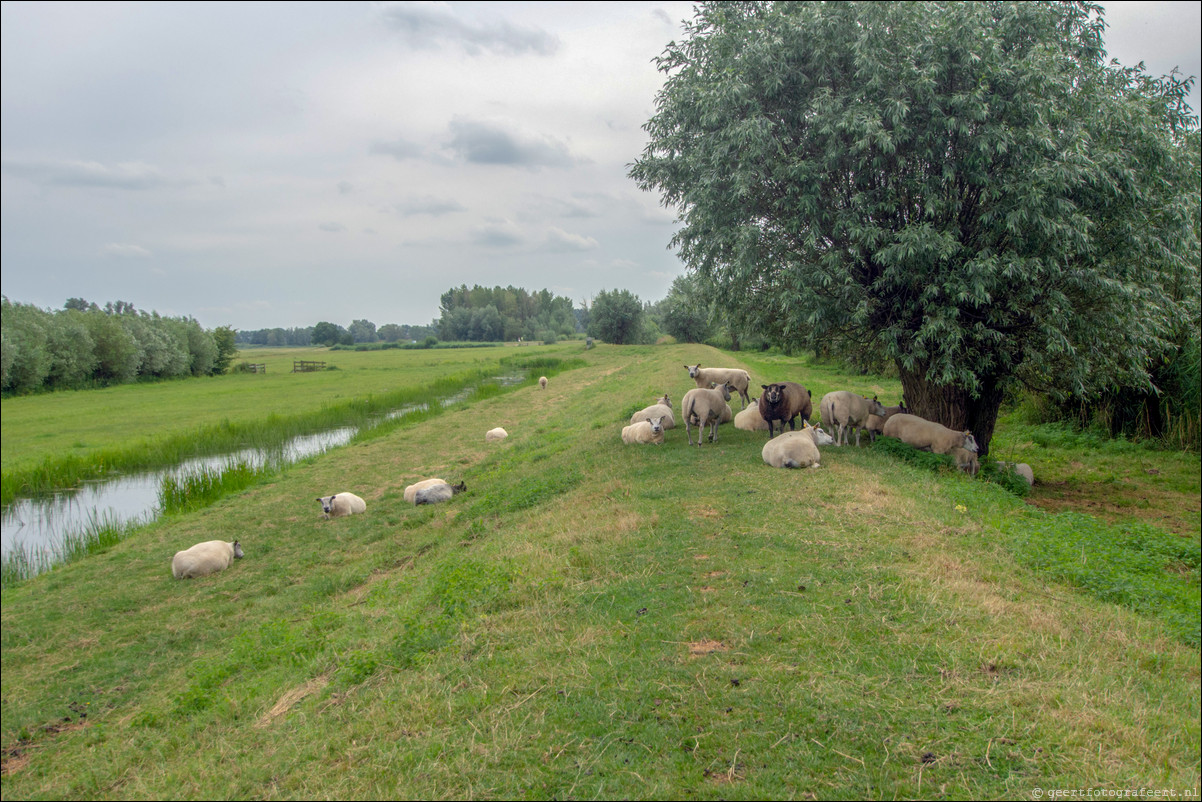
(429, 25)
(123, 250)
(560, 240)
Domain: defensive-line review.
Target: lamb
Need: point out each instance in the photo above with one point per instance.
(340, 504)
(437, 493)
(927, 435)
(645, 431)
(843, 410)
(794, 449)
(542, 382)
(205, 558)
(702, 407)
(737, 378)
(966, 461)
(784, 401)
(876, 423)
(493, 435)
(662, 408)
(750, 420)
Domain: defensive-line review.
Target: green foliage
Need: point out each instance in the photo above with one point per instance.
(990, 470)
(968, 189)
(503, 314)
(616, 317)
(201, 488)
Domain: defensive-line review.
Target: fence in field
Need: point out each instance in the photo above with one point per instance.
(257, 367)
(304, 366)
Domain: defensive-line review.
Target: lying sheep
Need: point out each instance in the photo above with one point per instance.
(927, 435)
(793, 449)
(876, 423)
(843, 411)
(702, 407)
(205, 558)
(340, 504)
(784, 401)
(1022, 469)
(542, 382)
(437, 493)
(750, 420)
(662, 408)
(644, 431)
(412, 490)
(737, 378)
(493, 435)
(966, 461)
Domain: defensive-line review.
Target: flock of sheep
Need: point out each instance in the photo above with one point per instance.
(708, 405)
(217, 555)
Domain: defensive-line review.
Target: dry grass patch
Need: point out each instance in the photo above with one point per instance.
(705, 646)
(289, 699)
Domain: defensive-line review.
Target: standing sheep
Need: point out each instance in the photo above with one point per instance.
(205, 558)
(738, 379)
(702, 407)
(876, 423)
(542, 382)
(927, 435)
(644, 431)
(966, 461)
(793, 449)
(843, 411)
(784, 401)
(341, 504)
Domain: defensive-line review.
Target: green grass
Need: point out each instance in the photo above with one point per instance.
(598, 620)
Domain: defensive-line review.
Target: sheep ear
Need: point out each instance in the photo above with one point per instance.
(764, 386)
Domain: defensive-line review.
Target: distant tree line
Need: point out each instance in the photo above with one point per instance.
(326, 333)
(481, 314)
(84, 345)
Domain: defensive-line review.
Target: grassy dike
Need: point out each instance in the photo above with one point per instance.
(592, 620)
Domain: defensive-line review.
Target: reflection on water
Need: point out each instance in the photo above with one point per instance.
(40, 525)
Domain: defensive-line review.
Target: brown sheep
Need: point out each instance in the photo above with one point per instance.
(784, 401)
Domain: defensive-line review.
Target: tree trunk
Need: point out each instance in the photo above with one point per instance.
(953, 406)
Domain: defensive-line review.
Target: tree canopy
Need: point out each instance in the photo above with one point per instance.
(616, 317)
(968, 189)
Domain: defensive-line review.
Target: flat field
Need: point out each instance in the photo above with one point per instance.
(594, 620)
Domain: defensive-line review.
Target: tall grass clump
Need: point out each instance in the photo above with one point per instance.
(25, 561)
(198, 489)
(991, 470)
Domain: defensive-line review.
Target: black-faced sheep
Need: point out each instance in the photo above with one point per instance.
(703, 406)
(738, 379)
(784, 401)
(843, 411)
(644, 431)
(205, 558)
(412, 490)
(927, 435)
(341, 504)
(435, 494)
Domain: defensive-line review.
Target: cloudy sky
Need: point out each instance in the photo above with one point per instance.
(263, 165)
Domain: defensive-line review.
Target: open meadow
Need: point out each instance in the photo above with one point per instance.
(597, 620)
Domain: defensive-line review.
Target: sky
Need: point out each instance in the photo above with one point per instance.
(266, 165)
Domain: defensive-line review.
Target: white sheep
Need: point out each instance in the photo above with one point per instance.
(412, 490)
(542, 382)
(738, 379)
(493, 435)
(662, 408)
(205, 558)
(750, 420)
(843, 411)
(927, 435)
(435, 494)
(794, 449)
(703, 406)
(966, 461)
(644, 431)
(340, 504)
(1022, 469)
(876, 423)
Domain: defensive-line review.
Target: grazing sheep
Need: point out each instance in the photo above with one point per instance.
(437, 493)
(205, 558)
(662, 408)
(492, 435)
(843, 411)
(927, 435)
(645, 431)
(701, 407)
(784, 401)
(966, 461)
(737, 378)
(793, 449)
(542, 382)
(340, 504)
(876, 423)
(750, 420)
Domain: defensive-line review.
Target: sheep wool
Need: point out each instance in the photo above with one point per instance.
(493, 435)
(205, 558)
(340, 504)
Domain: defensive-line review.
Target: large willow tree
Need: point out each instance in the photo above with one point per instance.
(967, 189)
